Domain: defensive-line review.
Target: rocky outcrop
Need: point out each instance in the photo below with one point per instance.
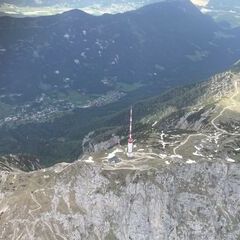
(93, 143)
(84, 201)
(21, 162)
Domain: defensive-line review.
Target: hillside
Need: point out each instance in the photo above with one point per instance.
(164, 122)
(79, 56)
(183, 182)
(168, 128)
(225, 11)
(224, 3)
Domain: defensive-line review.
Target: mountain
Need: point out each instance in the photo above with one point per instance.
(183, 182)
(224, 11)
(60, 70)
(224, 3)
(94, 55)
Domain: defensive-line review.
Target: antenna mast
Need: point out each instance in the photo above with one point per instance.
(130, 139)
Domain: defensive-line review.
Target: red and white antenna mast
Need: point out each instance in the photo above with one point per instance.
(130, 139)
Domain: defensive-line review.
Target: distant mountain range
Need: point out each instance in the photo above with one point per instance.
(74, 3)
(226, 11)
(224, 3)
(221, 10)
(41, 8)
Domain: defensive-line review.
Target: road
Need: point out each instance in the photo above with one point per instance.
(224, 109)
(222, 131)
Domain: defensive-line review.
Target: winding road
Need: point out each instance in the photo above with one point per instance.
(224, 109)
(222, 131)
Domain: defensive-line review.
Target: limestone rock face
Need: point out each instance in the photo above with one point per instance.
(85, 201)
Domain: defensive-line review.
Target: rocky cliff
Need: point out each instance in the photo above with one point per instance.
(85, 201)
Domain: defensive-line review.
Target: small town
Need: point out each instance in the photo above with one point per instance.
(46, 108)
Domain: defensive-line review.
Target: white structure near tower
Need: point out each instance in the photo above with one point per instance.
(130, 139)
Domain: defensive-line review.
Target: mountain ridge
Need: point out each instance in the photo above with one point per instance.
(81, 60)
(171, 118)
